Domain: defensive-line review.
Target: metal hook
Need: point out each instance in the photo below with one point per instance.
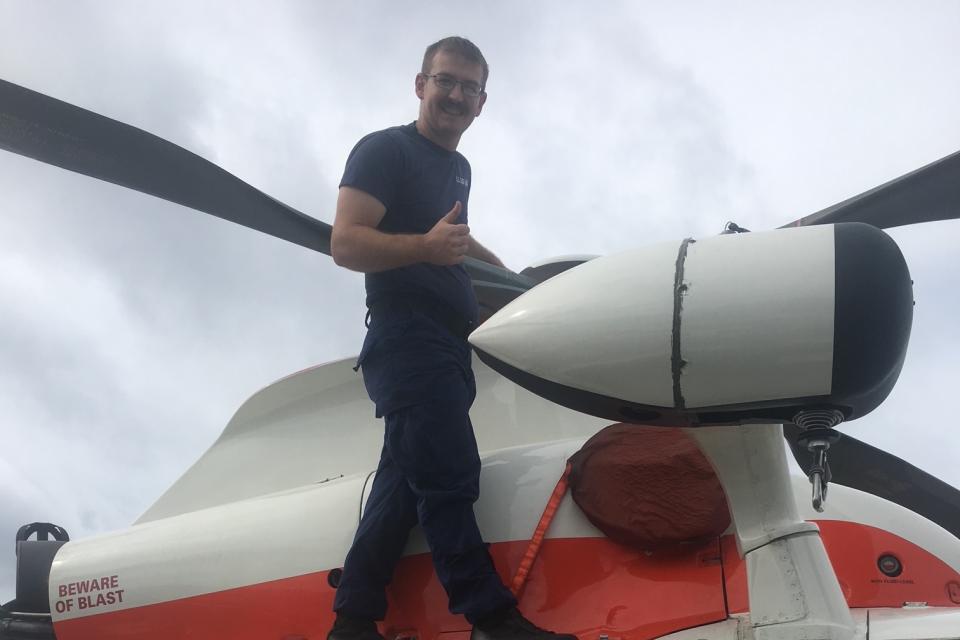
(819, 472)
(817, 435)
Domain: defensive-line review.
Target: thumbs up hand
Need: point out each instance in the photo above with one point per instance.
(447, 242)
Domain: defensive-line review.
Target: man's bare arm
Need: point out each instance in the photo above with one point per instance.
(356, 244)
(480, 252)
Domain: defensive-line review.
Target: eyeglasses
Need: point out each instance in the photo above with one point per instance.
(447, 83)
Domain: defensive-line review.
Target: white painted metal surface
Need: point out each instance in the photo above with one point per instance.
(289, 534)
(604, 326)
(751, 462)
(758, 316)
(794, 593)
(924, 623)
(296, 532)
(739, 627)
(319, 424)
(755, 306)
(304, 428)
(850, 505)
(309, 529)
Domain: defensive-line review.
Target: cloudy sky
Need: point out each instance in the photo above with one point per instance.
(131, 329)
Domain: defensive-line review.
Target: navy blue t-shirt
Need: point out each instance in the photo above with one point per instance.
(418, 182)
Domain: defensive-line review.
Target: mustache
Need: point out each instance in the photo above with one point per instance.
(458, 107)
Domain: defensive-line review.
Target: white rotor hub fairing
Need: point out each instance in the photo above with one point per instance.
(744, 328)
(750, 308)
(758, 314)
(603, 326)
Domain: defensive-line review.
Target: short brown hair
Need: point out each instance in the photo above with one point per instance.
(460, 46)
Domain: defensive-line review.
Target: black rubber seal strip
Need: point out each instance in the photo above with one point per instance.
(676, 359)
(620, 410)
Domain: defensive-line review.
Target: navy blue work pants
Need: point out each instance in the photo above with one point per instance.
(421, 380)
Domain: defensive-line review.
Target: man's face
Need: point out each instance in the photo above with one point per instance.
(449, 112)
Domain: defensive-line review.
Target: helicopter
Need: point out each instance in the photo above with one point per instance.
(260, 549)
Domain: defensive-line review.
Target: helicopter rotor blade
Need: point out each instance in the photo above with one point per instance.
(495, 286)
(70, 137)
(858, 465)
(927, 194)
(58, 133)
(546, 271)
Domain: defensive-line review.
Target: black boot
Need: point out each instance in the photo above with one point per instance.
(350, 628)
(511, 625)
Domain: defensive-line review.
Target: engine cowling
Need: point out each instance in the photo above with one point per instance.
(736, 328)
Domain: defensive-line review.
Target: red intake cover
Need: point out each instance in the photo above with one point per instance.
(648, 487)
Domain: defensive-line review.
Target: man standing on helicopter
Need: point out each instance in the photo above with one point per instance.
(402, 220)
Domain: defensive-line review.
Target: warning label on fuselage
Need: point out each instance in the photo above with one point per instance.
(88, 594)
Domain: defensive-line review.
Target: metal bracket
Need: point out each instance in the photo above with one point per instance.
(817, 436)
(820, 472)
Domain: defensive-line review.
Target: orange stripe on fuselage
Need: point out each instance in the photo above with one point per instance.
(854, 549)
(587, 586)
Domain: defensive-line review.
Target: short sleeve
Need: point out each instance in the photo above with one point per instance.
(467, 173)
(375, 166)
